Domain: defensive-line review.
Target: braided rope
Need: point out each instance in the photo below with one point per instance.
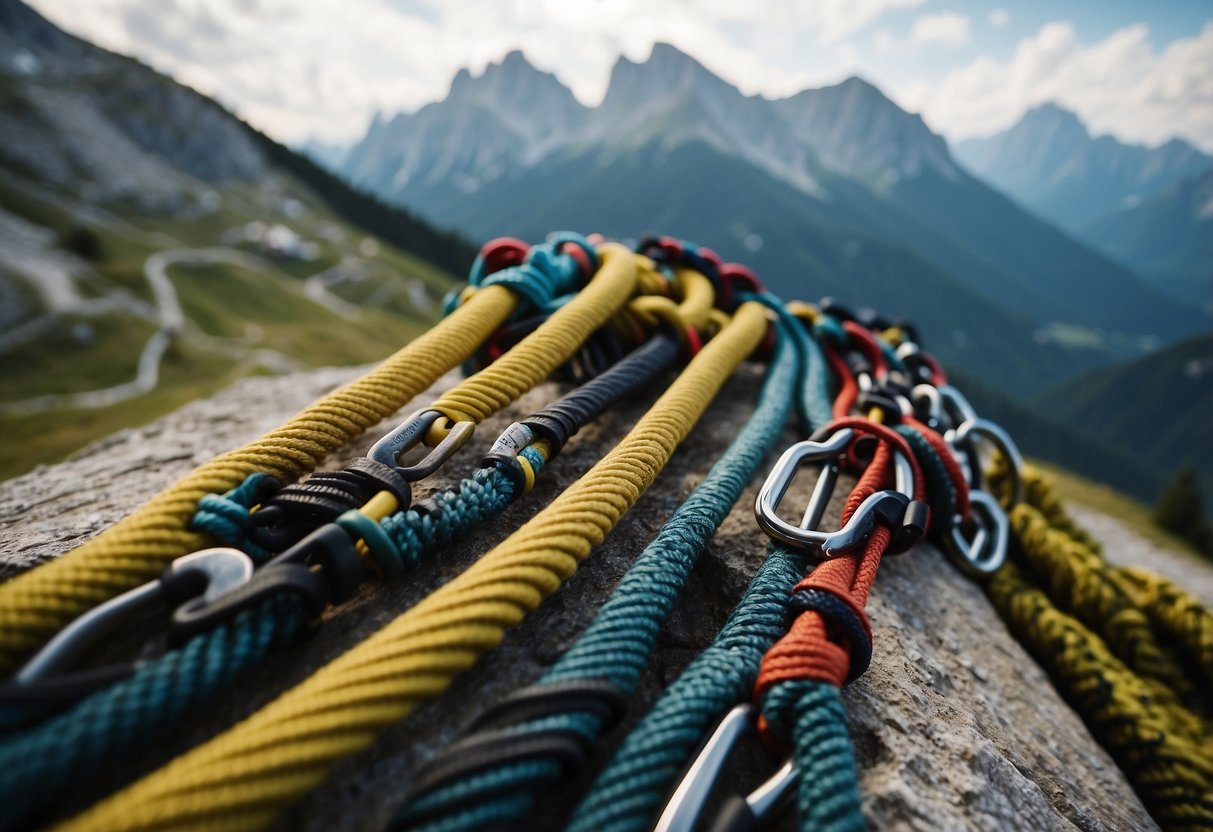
(242, 778)
(1166, 759)
(630, 791)
(1180, 617)
(827, 792)
(616, 645)
(37, 764)
(36, 604)
(549, 346)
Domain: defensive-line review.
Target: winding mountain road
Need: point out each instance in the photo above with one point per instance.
(172, 324)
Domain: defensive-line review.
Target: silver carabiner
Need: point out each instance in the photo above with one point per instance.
(977, 427)
(987, 551)
(221, 569)
(897, 508)
(410, 433)
(687, 802)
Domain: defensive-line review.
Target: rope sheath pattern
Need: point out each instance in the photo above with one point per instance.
(1075, 625)
(533, 359)
(119, 721)
(617, 644)
(242, 778)
(35, 605)
(629, 792)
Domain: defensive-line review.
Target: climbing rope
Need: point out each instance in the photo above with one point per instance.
(36, 604)
(1079, 622)
(491, 777)
(242, 778)
(119, 721)
(1132, 652)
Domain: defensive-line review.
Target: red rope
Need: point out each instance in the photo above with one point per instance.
(807, 651)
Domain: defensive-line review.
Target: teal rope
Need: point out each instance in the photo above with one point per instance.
(812, 715)
(630, 792)
(228, 517)
(617, 645)
(39, 764)
(941, 493)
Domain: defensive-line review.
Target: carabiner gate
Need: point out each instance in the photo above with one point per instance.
(897, 509)
(410, 433)
(738, 813)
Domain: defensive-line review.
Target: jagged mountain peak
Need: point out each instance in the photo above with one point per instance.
(667, 71)
(1050, 161)
(510, 82)
(857, 130)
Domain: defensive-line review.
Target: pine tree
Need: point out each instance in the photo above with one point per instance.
(1181, 510)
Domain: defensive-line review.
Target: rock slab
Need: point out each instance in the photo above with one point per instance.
(955, 727)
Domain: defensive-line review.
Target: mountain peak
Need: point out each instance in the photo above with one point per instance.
(668, 71)
(1054, 118)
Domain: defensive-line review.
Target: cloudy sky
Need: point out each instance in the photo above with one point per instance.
(321, 68)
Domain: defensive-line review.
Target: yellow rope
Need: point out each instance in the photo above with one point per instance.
(1178, 616)
(243, 777)
(1164, 753)
(37, 604)
(553, 343)
(1102, 633)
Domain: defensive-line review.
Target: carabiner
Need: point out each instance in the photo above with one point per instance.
(410, 433)
(738, 813)
(987, 551)
(975, 427)
(220, 570)
(897, 509)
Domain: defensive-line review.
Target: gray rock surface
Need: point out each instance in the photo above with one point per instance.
(955, 726)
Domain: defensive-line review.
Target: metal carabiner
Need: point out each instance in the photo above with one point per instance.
(987, 551)
(221, 570)
(956, 406)
(928, 405)
(687, 802)
(975, 427)
(898, 509)
(410, 433)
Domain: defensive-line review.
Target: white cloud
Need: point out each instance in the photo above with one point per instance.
(322, 67)
(947, 28)
(999, 18)
(1120, 85)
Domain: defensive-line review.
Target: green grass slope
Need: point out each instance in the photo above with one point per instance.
(1157, 409)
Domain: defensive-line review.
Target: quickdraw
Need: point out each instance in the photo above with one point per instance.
(1136, 652)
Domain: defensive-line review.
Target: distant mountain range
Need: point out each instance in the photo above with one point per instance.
(153, 248)
(1149, 208)
(1051, 163)
(833, 191)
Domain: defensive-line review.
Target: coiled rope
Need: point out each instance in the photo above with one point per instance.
(243, 777)
(1080, 623)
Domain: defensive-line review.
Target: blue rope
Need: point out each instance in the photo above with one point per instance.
(227, 517)
(547, 273)
(617, 645)
(631, 790)
(38, 764)
(812, 715)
